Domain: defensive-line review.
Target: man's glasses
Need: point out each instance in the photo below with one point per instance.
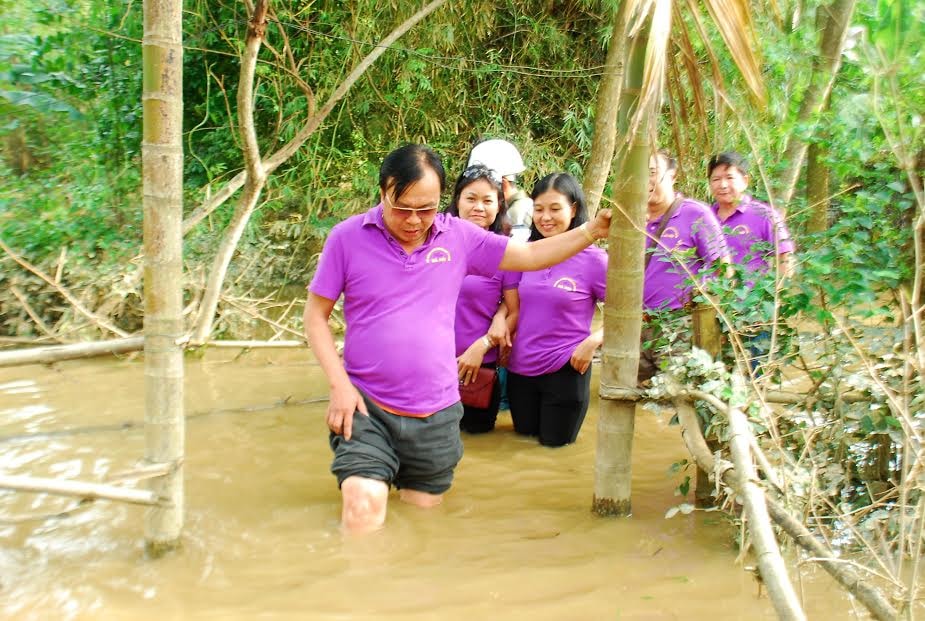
(405, 212)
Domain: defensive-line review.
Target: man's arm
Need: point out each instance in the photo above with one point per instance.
(345, 399)
(527, 257)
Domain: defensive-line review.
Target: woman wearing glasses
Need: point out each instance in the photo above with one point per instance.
(486, 311)
(549, 370)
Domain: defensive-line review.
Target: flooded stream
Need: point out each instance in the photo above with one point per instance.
(514, 538)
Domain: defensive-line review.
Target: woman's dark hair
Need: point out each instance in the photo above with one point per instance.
(406, 165)
(569, 187)
(727, 158)
(471, 175)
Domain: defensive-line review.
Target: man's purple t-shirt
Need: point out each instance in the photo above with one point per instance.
(477, 304)
(751, 232)
(556, 308)
(691, 242)
(399, 308)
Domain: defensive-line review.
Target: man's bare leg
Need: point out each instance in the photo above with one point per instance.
(419, 499)
(364, 504)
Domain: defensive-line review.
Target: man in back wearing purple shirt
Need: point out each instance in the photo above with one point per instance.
(394, 407)
(755, 232)
(684, 243)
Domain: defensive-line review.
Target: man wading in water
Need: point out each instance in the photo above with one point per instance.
(400, 267)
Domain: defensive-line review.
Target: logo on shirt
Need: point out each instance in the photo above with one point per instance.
(671, 233)
(438, 255)
(566, 284)
(741, 229)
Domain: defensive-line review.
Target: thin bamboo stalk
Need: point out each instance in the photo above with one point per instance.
(80, 489)
(58, 353)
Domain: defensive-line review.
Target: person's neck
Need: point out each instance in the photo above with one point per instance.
(724, 210)
(657, 210)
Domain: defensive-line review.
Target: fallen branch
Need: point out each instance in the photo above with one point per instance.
(41, 325)
(870, 596)
(57, 353)
(99, 321)
(258, 344)
(74, 351)
(80, 489)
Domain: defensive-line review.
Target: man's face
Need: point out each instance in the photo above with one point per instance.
(410, 217)
(728, 184)
(661, 181)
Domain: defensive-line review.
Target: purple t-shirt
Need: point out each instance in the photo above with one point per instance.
(556, 308)
(399, 308)
(751, 231)
(478, 301)
(693, 240)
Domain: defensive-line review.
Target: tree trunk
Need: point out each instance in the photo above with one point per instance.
(817, 189)
(825, 68)
(162, 174)
(256, 176)
(623, 308)
(605, 114)
(313, 123)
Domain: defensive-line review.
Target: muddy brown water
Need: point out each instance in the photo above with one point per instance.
(514, 539)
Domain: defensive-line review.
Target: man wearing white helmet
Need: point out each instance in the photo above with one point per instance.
(504, 158)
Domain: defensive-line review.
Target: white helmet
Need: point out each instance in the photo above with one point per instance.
(498, 155)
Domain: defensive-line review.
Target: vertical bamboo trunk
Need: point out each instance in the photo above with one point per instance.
(623, 309)
(162, 174)
(825, 69)
(605, 113)
(817, 189)
(708, 337)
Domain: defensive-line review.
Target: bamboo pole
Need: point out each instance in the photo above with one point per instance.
(80, 489)
(162, 175)
(623, 311)
(707, 336)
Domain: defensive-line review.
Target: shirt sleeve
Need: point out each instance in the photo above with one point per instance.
(484, 249)
(510, 280)
(711, 243)
(781, 233)
(599, 285)
(330, 275)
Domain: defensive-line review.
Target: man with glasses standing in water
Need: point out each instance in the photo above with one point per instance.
(394, 405)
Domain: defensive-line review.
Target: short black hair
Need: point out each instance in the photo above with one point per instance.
(406, 165)
(671, 162)
(568, 186)
(467, 177)
(727, 158)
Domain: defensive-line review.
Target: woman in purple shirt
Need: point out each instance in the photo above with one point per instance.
(487, 307)
(549, 379)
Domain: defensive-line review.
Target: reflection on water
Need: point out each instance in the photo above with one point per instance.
(514, 539)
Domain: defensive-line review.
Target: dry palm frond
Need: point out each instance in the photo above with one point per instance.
(733, 19)
(676, 107)
(653, 82)
(694, 75)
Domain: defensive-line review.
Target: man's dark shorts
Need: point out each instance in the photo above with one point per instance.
(412, 453)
